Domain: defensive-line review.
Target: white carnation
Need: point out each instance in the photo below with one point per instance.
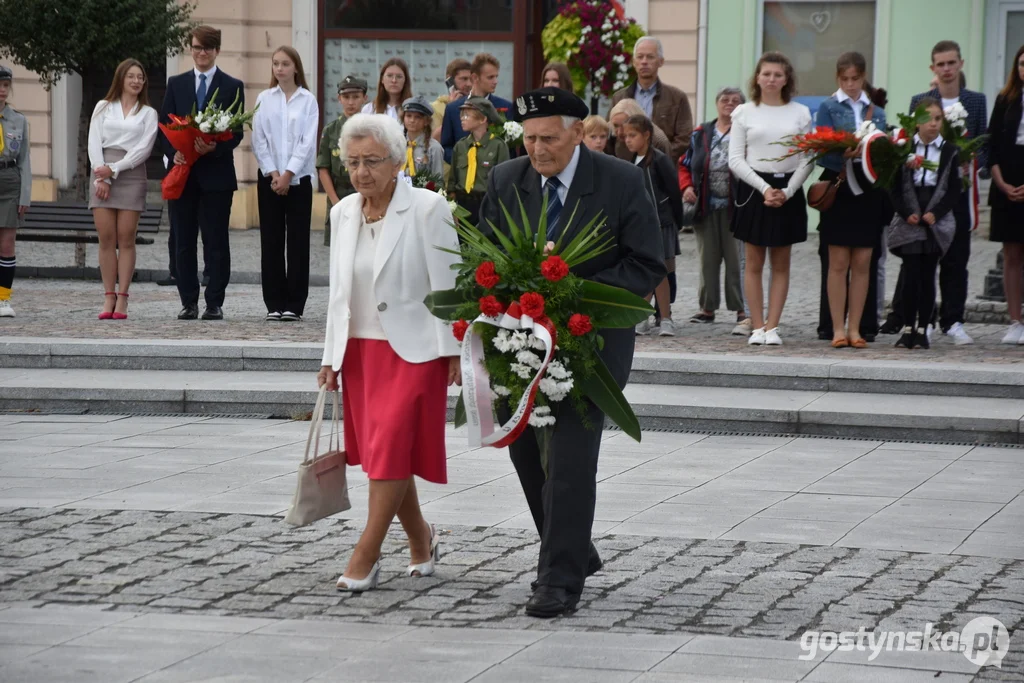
(199, 118)
(205, 126)
(500, 390)
(540, 421)
(223, 121)
(535, 342)
(557, 370)
(529, 358)
(524, 371)
(518, 341)
(551, 389)
(501, 341)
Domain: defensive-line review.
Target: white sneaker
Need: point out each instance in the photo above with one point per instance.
(756, 337)
(929, 332)
(743, 328)
(1014, 335)
(5, 309)
(772, 338)
(959, 335)
(667, 328)
(644, 328)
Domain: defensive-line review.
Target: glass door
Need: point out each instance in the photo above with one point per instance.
(1011, 37)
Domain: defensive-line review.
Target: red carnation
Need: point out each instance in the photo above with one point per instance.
(579, 324)
(532, 304)
(431, 185)
(459, 329)
(490, 306)
(554, 268)
(485, 275)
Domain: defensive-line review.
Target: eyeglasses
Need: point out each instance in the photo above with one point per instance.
(369, 163)
(394, 77)
(196, 49)
(139, 79)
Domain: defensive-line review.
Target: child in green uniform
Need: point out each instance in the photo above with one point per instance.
(330, 165)
(475, 155)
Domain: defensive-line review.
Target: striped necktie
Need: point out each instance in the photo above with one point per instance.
(554, 207)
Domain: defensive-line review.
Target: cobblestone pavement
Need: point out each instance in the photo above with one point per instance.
(63, 308)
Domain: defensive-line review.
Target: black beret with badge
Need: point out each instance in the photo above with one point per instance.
(350, 83)
(550, 101)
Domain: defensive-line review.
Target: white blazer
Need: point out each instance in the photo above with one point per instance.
(407, 266)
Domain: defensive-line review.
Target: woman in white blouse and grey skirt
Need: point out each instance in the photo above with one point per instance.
(284, 139)
(771, 214)
(121, 136)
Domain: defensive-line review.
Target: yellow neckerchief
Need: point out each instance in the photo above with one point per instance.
(410, 161)
(471, 171)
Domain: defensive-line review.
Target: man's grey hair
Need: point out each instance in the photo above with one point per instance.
(570, 121)
(379, 127)
(651, 39)
(730, 90)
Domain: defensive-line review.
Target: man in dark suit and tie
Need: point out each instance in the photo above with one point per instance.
(205, 205)
(579, 186)
(484, 72)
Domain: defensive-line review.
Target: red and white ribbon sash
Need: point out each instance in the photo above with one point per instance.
(869, 170)
(478, 396)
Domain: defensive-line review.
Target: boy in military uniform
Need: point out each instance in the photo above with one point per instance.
(475, 155)
(333, 176)
(15, 186)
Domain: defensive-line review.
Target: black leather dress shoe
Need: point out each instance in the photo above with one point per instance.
(869, 338)
(890, 326)
(189, 312)
(213, 313)
(549, 602)
(167, 282)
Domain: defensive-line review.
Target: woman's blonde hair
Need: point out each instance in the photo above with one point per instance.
(596, 124)
(629, 107)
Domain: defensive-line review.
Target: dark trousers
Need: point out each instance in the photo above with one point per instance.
(562, 504)
(206, 212)
(284, 243)
(918, 303)
(868, 321)
(952, 274)
(172, 247)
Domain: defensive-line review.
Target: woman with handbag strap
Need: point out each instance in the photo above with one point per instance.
(852, 222)
(394, 360)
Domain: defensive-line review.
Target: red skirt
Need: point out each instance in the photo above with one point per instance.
(394, 412)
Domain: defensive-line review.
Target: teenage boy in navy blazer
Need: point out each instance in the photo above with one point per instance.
(484, 72)
(205, 205)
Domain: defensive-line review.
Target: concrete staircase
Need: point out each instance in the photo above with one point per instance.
(855, 398)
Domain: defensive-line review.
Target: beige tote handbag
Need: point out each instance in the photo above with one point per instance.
(322, 489)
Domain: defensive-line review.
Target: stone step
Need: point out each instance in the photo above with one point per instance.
(658, 406)
(678, 369)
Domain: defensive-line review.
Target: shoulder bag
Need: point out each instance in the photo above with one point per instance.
(322, 489)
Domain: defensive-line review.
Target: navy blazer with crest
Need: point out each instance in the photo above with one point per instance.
(214, 172)
(602, 185)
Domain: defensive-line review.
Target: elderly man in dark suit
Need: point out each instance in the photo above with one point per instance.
(205, 205)
(579, 185)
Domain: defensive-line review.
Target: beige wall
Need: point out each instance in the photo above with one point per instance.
(32, 100)
(674, 22)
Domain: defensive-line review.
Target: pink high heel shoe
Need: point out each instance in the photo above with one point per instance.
(120, 316)
(106, 315)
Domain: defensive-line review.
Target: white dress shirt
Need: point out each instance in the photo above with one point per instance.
(391, 111)
(1020, 126)
(860, 105)
(284, 133)
(110, 129)
(755, 130)
(209, 79)
(565, 177)
(929, 152)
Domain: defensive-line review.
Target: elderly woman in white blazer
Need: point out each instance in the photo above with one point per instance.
(395, 359)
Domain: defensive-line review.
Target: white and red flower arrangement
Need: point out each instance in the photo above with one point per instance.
(530, 329)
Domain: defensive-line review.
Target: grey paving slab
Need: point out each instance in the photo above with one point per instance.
(818, 506)
(64, 615)
(622, 641)
(747, 647)
(852, 673)
(931, 661)
(604, 657)
(87, 665)
(42, 634)
(699, 663)
(216, 665)
(817, 532)
(515, 673)
(313, 628)
(923, 539)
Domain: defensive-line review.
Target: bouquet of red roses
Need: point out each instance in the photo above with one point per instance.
(213, 124)
(530, 329)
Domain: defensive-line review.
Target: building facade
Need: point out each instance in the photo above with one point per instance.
(708, 44)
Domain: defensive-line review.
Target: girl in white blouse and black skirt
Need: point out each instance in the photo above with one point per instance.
(122, 132)
(284, 139)
(771, 214)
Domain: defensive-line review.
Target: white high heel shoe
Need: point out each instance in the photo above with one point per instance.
(360, 585)
(427, 568)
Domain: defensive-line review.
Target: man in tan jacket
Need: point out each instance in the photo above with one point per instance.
(666, 106)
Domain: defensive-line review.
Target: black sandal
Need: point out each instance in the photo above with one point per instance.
(702, 317)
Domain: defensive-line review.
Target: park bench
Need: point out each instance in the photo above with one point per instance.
(73, 222)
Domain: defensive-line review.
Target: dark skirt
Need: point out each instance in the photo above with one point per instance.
(928, 245)
(854, 220)
(1008, 217)
(10, 197)
(766, 226)
(670, 241)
